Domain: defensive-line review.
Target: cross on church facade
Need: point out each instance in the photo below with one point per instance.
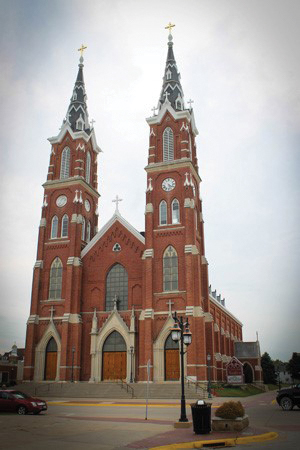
(81, 49)
(170, 306)
(116, 201)
(166, 95)
(190, 103)
(52, 309)
(154, 109)
(92, 122)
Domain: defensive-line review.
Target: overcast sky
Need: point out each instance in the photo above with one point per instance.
(239, 62)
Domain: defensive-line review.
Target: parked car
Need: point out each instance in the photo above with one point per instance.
(17, 401)
(287, 398)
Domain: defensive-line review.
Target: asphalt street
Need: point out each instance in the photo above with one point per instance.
(91, 424)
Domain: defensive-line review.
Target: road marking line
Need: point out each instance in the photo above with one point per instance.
(154, 405)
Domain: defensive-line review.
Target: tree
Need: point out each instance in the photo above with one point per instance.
(268, 369)
(293, 366)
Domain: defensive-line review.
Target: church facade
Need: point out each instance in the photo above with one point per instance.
(103, 301)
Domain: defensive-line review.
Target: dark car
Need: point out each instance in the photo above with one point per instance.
(16, 401)
(287, 398)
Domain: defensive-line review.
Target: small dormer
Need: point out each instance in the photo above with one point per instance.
(179, 103)
(169, 74)
(80, 123)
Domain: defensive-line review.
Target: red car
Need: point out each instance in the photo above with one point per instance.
(16, 401)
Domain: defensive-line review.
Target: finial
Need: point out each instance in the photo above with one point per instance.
(169, 27)
(81, 50)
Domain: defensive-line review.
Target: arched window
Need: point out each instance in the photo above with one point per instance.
(168, 145)
(88, 167)
(116, 288)
(175, 211)
(88, 232)
(65, 163)
(114, 343)
(162, 213)
(170, 269)
(54, 227)
(64, 226)
(83, 230)
(55, 279)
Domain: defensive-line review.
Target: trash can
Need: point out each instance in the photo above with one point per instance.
(201, 413)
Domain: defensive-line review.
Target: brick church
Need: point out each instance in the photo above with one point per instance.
(103, 301)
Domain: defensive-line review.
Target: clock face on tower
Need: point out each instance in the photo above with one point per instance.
(168, 184)
(87, 205)
(61, 201)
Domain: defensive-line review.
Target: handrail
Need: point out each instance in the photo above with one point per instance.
(127, 387)
(196, 384)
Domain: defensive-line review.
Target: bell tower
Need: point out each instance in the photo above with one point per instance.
(175, 264)
(68, 222)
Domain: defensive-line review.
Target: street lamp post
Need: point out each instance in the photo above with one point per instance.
(131, 364)
(208, 376)
(72, 373)
(181, 332)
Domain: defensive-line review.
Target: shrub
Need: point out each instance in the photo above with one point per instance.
(230, 410)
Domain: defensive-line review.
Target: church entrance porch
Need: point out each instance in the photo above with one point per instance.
(114, 361)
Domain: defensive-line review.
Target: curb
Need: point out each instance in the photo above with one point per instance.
(227, 442)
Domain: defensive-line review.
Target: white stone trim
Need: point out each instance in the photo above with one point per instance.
(43, 222)
(75, 135)
(39, 264)
(33, 319)
(149, 208)
(204, 260)
(208, 317)
(113, 323)
(148, 253)
(74, 261)
(71, 318)
(191, 248)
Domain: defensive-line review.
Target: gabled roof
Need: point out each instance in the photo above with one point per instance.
(185, 114)
(75, 135)
(115, 218)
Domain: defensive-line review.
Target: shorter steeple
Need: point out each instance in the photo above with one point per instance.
(171, 90)
(77, 115)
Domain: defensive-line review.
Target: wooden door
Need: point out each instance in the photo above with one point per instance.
(50, 365)
(114, 365)
(172, 369)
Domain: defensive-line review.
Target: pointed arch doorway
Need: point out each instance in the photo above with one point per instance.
(114, 359)
(51, 360)
(172, 367)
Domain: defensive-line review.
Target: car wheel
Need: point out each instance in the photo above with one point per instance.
(286, 403)
(21, 410)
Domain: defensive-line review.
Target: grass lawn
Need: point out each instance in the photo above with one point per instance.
(235, 391)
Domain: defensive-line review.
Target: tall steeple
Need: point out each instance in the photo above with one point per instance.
(171, 90)
(77, 115)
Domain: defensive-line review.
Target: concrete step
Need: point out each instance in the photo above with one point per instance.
(111, 390)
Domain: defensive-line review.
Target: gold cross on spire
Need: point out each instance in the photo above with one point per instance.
(81, 49)
(169, 27)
